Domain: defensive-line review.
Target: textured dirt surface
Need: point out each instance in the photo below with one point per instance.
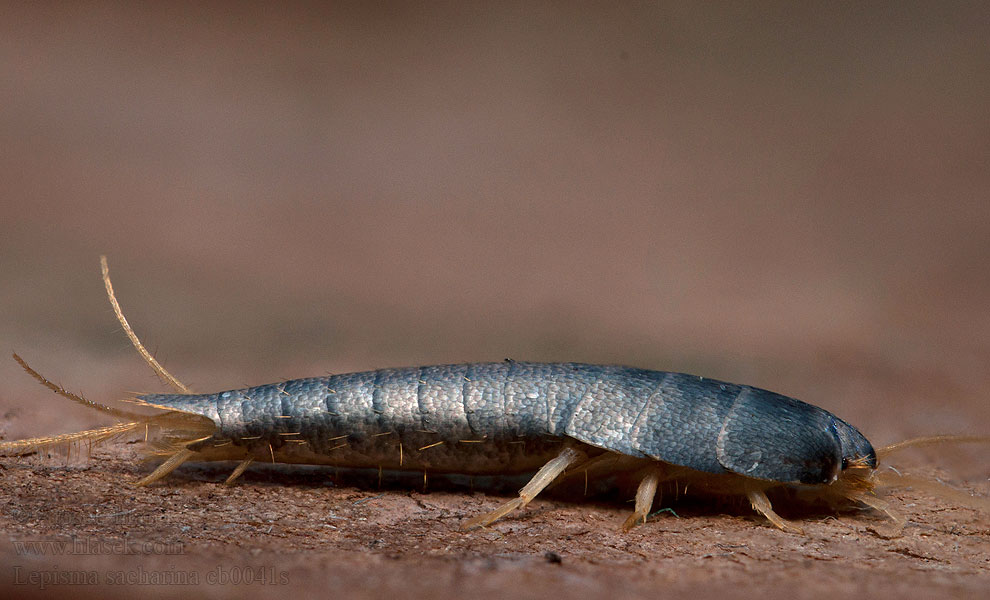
(793, 197)
(287, 529)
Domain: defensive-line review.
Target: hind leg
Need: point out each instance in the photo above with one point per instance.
(171, 464)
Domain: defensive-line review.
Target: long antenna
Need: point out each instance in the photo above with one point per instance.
(148, 358)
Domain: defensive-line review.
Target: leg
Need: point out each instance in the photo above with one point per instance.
(542, 479)
(761, 504)
(167, 467)
(892, 530)
(644, 497)
(238, 471)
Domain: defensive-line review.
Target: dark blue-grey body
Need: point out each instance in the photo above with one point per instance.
(511, 416)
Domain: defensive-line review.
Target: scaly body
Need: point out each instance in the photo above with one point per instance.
(512, 417)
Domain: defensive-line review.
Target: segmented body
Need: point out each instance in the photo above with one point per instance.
(513, 417)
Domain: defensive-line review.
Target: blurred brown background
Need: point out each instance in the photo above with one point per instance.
(790, 196)
(787, 196)
(793, 196)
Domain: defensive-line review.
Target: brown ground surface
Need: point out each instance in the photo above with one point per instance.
(791, 197)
